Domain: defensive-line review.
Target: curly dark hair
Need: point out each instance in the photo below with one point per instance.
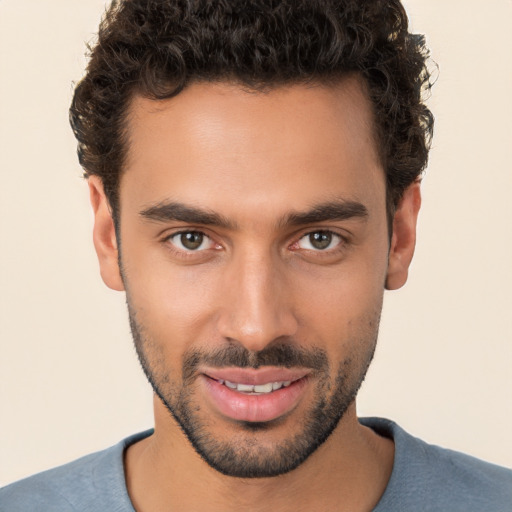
(156, 48)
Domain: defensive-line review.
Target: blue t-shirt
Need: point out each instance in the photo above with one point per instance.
(425, 478)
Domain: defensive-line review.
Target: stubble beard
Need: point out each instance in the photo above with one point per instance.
(244, 456)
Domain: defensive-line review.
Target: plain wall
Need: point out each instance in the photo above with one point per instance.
(69, 379)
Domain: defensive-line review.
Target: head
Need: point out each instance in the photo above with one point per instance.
(253, 172)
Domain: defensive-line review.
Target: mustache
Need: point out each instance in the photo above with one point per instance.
(283, 354)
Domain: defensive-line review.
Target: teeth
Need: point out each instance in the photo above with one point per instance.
(263, 388)
(256, 389)
(245, 388)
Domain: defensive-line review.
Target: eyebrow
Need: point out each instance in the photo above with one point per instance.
(330, 211)
(173, 211)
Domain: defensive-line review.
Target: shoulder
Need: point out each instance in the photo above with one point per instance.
(93, 482)
(430, 478)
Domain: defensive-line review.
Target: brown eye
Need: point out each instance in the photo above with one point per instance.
(319, 241)
(190, 241)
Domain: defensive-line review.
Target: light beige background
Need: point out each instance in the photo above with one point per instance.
(69, 378)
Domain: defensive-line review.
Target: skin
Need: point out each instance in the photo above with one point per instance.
(255, 159)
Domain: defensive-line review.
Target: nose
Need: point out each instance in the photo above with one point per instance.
(256, 306)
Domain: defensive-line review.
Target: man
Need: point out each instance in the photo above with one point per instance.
(253, 171)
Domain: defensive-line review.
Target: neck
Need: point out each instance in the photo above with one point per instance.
(349, 471)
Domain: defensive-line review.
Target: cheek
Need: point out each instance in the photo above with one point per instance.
(344, 307)
(173, 303)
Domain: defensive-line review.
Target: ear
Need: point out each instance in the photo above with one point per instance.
(403, 240)
(104, 235)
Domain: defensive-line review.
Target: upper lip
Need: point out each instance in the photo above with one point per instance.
(256, 376)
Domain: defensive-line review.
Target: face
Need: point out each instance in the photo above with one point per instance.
(254, 252)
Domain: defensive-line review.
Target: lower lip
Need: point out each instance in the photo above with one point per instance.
(257, 408)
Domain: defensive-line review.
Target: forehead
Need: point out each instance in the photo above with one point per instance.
(218, 142)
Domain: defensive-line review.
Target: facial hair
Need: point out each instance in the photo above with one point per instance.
(243, 456)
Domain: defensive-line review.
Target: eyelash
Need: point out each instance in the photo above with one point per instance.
(332, 234)
(184, 253)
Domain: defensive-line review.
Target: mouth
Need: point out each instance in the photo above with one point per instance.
(254, 395)
(256, 389)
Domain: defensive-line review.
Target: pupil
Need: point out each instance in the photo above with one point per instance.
(320, 239)
(191, 240)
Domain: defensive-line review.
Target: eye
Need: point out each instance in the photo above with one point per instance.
(191, 241)
(319, 241)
